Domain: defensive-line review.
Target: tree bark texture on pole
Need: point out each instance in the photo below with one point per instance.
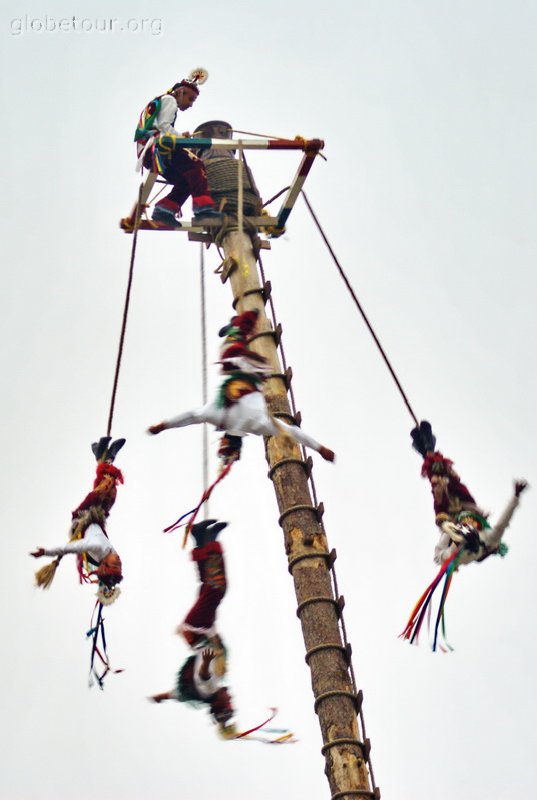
(336, 705)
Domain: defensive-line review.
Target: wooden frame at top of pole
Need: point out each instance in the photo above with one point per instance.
(310, 147)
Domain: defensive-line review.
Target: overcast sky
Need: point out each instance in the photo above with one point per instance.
(428, 197)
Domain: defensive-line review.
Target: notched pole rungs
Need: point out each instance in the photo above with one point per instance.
(321, 648)
(317, 510)
(357, 699)
(274, 334)
(375, 795)
(304, 464)
(286, 415)
(346, 740)
(310, 600)
(265, 291)
(303, 556)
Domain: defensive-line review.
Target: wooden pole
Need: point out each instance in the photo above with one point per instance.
(336, 705)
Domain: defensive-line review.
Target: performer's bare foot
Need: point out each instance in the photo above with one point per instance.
(158, 698)
(327, 454)
(154, 429)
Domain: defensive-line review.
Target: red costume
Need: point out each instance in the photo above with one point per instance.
(199, 622)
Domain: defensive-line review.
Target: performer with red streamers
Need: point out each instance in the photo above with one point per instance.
(457, 514)
(479, 540)
(200, 679)
(465, 533)
(97, 560)
(198, 627)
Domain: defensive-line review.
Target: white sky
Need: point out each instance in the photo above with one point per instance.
(428, 196)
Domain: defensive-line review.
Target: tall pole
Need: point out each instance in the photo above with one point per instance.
(336, 704)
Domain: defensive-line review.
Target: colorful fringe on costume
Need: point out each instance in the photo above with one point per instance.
(284, 735)
(193, 513)
(423, 606)
(145, 129)
(95, 632)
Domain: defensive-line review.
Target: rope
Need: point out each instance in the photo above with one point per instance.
(361, 310)
(261, 135)
(275, 197)
(125, 310)
(353, 677)
(204, 390)
(240, 196)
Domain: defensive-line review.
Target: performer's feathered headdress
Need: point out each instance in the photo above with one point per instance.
(196, 78)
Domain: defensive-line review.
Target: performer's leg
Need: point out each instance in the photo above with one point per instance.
(199, 621)
(189, 178)
(300, 436)
(250, 414)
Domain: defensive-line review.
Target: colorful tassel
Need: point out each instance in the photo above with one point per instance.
(193, 513)
(423, 606)
(97, 630)
(285, 736)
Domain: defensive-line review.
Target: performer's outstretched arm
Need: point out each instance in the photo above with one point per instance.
(492, 536)
(94, 541)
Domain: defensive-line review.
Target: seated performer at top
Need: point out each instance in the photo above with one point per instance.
(156, 140)
(462, 523)
(240, 406)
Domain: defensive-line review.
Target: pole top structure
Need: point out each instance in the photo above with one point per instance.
(215, 143)
(215, 127)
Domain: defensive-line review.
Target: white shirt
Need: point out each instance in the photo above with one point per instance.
(95, 543)
(166, 115)
(490, 538)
